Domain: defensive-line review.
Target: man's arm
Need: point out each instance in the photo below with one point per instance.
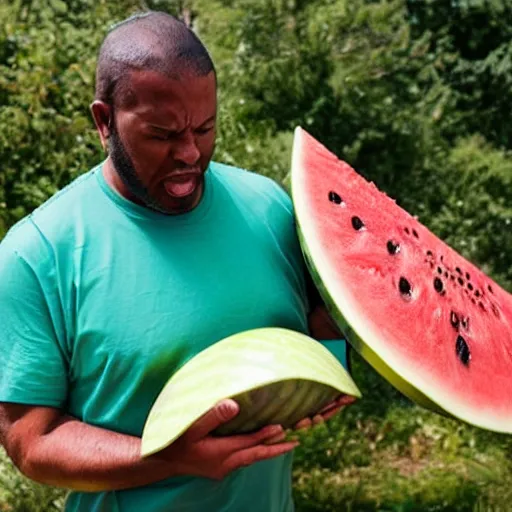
(322, 326)
(59, 450)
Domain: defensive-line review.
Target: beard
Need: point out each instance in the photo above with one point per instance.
(124, 167)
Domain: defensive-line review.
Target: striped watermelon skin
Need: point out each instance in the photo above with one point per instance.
(432, 323)
(281, 403)
(277, 375)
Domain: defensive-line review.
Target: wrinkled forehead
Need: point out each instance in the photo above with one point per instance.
(152, 96)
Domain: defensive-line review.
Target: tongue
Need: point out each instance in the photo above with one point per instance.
(181, 187)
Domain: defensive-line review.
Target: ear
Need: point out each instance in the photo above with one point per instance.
(102, 114)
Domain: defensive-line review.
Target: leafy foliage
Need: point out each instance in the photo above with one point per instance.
(384, 454)
(17, 494)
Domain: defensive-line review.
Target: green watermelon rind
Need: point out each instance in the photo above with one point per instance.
(349, 314)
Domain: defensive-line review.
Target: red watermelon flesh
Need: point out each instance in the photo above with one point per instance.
(428, 320)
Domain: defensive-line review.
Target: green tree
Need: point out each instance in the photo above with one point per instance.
(471, 39)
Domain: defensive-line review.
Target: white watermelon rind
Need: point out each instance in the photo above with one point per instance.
(235, 365)
(349, 314)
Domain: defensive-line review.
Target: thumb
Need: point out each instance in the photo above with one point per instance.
(222, 412)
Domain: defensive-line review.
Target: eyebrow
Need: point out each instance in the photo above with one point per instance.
(168, 129)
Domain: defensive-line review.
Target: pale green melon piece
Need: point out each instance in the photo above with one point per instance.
(239, 364)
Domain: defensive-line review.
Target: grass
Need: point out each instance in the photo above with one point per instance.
(385, 454)
(18, 494)
(382, 454)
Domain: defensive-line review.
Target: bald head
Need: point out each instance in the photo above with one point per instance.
(153, 41)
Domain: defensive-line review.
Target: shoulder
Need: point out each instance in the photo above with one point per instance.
(51, 221)
(61, 206)
(255, 188)
(264, 203)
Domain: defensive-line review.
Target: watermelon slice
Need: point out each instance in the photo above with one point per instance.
(428, 320)
(277, 376)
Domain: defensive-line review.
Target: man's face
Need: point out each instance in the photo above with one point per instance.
(162, 140)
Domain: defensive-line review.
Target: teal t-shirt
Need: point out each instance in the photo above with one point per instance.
(103, 300)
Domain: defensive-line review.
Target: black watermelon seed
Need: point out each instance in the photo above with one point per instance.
(454, 320)
(407, 231)
(357, 223)
(461, 281)
(458, 270)
(438, 285)
(415, 233)
(335, 198)
(489, 287)
(439, 270)
(429, 253)
(404, 286)
(468, 277)
(473, 300)
(462, 350)
(393, 247)
(442, 257)
(446, 275)
(470, 286)
(477, 293)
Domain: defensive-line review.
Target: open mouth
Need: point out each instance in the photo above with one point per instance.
(181, 184)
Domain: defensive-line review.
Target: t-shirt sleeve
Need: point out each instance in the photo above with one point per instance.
(33, 368)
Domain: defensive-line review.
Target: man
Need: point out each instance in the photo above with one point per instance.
(115, 282)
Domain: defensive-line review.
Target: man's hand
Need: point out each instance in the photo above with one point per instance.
(42, 442)
(197, 452)
(323, 415)
(327, 412)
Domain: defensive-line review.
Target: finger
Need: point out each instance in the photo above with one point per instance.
(221, 413)
(341, 401)
(303, 424)
(317, 419)
(339, 405)
(328, 407)
(329, 414)
(239, 442)
(258, 453)
(279, 438)
(346, 400)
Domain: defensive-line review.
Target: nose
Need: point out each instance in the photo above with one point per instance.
(186, 150)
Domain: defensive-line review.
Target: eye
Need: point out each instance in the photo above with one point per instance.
(204, 130)
(163, 136)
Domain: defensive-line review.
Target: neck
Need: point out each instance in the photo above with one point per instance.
(116, 183)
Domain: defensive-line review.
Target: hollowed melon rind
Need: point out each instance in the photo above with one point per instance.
(236, 365)
(285, 410)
